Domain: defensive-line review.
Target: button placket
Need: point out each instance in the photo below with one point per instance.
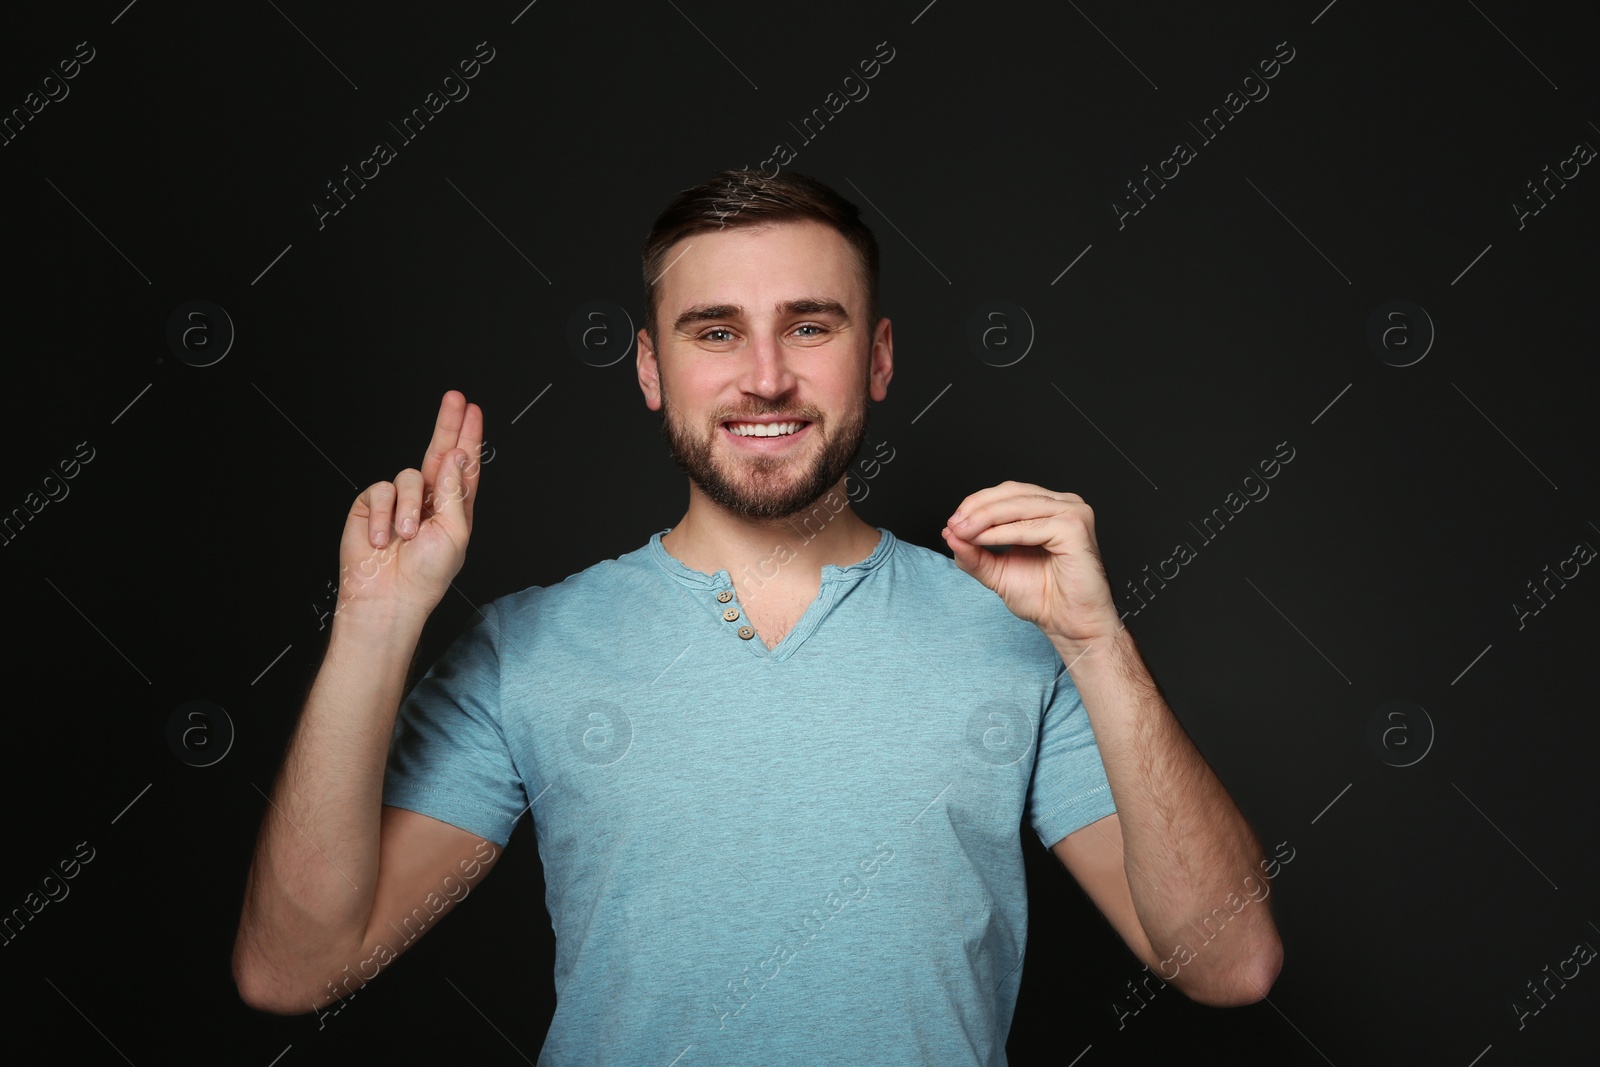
(732, 615)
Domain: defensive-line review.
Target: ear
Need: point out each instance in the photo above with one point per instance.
(881, 365)
(649, 371)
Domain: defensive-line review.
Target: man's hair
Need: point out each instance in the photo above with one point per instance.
(735, 198)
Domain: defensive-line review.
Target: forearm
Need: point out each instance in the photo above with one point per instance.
(310, 892)
(1190, 855)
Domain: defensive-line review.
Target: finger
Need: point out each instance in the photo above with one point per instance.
(975, 561)
(471, 440)
(408, 502)
(1010, 508)
(449, 497)
(380, 508)
(1006, 490)
(446, 432)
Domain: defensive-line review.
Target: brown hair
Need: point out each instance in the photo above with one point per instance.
(746, 198)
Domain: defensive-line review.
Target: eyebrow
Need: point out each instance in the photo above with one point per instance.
(808, 306)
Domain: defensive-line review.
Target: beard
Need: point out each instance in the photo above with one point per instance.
(762, 486)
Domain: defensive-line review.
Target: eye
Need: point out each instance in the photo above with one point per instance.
(717, 335)
(810, 333)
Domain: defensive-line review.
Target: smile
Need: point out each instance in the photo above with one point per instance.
(764, 429)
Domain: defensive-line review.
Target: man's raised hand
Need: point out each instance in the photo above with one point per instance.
(405, 540)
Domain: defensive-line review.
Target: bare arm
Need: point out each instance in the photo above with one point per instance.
(335, 873)
(1183, 854)
(1177, 870)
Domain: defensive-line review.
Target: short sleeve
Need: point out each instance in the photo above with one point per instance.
(1069, 789)
(448, 758)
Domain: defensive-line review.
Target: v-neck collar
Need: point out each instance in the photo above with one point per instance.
(710, 588)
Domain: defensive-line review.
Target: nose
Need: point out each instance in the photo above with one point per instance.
(766, 368)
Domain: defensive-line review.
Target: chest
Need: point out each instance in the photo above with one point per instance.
(773, 620)
(773, 613)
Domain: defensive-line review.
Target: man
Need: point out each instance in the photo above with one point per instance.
(779, 812)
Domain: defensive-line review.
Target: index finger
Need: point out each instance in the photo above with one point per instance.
(447, 433)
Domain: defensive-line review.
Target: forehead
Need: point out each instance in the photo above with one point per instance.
(759, 267)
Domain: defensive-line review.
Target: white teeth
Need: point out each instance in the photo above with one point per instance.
(767, 429)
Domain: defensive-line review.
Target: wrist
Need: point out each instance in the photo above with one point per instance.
(1085, 657)
(368, 625)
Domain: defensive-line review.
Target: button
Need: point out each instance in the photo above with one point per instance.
(724, 596)
(746, 633)
(731, 614)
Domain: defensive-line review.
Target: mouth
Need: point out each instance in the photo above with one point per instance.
(765, 434)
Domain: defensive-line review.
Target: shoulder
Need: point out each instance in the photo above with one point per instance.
(600, 589)
(930, 581)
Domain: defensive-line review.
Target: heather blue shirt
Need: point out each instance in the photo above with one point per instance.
(808, 854)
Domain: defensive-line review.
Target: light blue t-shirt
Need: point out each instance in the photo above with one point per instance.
(803, 855)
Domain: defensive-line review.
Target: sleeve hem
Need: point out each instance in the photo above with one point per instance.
(450, 808)
(1074, 813)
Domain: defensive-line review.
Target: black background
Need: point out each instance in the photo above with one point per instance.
(193, 557)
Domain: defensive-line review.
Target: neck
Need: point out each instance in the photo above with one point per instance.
(787, 552)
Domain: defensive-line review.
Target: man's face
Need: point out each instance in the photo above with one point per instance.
(766, 325)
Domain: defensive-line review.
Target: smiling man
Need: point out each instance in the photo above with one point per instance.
(780, 820)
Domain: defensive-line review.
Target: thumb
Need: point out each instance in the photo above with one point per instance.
(971, 558)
